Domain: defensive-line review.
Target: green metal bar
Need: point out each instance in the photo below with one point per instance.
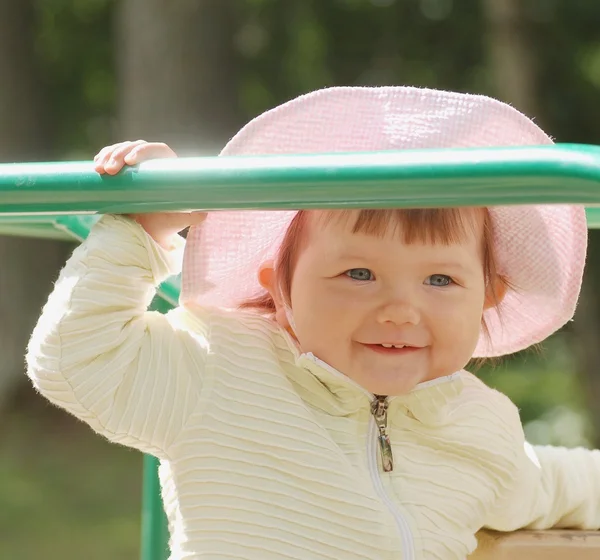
(155, 534)
(39, 231)
(593, 218)
(546, 174)
(44, 228)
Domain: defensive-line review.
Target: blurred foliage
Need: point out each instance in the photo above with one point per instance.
(76, 52)
(67, 494)
(543, 383)
(288, 48)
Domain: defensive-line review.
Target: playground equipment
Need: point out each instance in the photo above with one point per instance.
(62, 201)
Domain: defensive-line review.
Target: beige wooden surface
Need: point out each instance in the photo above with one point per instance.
(538, 545)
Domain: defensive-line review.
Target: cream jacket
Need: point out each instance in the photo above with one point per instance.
(267, 453)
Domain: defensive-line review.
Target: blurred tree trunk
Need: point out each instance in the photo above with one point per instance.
(510, 54)
(27, 266)
(586, 330)
(513, 66)
(177, 73)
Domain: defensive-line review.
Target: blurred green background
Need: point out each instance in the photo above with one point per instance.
(79, 74)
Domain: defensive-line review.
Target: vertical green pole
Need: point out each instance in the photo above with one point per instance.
(155, 533)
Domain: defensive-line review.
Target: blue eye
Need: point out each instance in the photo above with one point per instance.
(360, 274)
(439, 280)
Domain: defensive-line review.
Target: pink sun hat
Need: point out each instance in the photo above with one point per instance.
(540, 249)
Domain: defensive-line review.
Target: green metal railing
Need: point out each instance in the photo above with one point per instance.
(563, 173)
(62, 200)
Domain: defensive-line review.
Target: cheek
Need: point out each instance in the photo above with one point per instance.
(458, 322)
(323, 318)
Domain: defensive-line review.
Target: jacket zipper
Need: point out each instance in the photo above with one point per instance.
(379, 408)
(378, 433)
(377, 429)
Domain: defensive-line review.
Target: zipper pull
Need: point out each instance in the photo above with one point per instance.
(379, 408)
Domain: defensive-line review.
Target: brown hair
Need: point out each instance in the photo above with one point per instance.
(435, 225)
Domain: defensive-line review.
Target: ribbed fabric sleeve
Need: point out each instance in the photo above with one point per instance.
(98, 353)
(551, 487)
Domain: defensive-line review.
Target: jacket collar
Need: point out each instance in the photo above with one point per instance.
(330, 390)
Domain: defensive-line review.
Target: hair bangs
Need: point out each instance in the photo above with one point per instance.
(443, 226)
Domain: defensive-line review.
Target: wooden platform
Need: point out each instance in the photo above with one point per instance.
(538, 545)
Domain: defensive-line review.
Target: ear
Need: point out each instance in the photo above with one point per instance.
(495, 293)
(267, 278)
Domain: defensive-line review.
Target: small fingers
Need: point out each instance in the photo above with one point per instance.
(114, 160)
(102, 153)
(149, 150)
(102, 157)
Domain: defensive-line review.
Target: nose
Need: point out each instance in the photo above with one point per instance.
(399, 312)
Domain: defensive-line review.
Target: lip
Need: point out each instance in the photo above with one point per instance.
(407, 350)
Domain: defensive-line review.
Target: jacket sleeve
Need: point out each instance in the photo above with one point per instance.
(551, 487)
(132, 375)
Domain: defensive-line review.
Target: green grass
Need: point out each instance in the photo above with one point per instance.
(65, 493)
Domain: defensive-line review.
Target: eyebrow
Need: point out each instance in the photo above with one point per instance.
(453, 268)
(351, 256)
(434, 264)
(448, 264)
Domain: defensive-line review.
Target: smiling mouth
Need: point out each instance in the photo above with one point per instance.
(392, 349)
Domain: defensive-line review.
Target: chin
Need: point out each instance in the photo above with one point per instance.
(392, 387)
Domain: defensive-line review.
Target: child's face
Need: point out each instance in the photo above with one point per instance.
(352, 292)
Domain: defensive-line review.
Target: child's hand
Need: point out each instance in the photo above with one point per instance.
(161, 226)
(112, 158)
